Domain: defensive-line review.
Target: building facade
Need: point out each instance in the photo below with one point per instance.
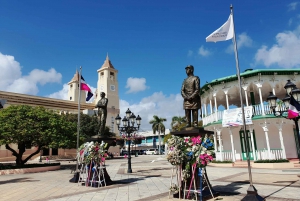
(107, 82)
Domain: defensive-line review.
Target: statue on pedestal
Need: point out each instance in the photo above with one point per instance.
(190, 92)
(102, 112)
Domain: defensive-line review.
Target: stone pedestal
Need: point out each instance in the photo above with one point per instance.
(194, 132)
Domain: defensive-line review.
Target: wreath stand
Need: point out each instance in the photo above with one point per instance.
(178, 180)
(90, 176)
(199, 181)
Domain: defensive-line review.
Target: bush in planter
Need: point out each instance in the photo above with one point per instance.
(33, 165)
(221, 161)
(272, 161)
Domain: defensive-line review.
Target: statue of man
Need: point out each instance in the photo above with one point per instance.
(102, 112)
(190, 92)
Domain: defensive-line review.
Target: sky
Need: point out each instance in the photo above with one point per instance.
(149, 42)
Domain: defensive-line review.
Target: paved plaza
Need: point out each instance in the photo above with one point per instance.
(149, 181)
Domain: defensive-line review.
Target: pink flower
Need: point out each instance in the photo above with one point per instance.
(172, 148)
(196, 140)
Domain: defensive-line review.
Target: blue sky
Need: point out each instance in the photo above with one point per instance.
(149, 42)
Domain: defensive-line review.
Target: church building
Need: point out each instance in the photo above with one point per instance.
(107, 83)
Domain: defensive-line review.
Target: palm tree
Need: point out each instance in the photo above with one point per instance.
(158, 126)
(177, 121)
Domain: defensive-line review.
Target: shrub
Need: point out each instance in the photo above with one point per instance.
(33, 165)
(221, 161)
(272, 161)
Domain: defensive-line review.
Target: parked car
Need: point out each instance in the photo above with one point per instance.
(152, 151)
(142, 152)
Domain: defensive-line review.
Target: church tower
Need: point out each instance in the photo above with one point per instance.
(108, 83)
(74, 89)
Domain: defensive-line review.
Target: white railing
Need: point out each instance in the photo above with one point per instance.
(226, 156)
(257, 110)
(261, 154)
(275, 154)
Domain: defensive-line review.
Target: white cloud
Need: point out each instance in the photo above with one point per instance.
(190, 53)
(284, 53)
(290, 21)
(292, 6)
(203, 52)
(156, 104)
(62, 94)
(136, 85)
(243, 40)
(11, 78)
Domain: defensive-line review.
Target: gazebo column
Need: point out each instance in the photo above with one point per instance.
(215, 140)
(227, 103)
(220, 144)
(279, 126)
(232, 145)
(211, 110)
(216, 106)
(252, 142)
(265, 128)
(246, 95)
(261, 100)
(205, 109)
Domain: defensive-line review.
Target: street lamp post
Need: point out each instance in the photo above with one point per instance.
(129, 128)
(291, 90)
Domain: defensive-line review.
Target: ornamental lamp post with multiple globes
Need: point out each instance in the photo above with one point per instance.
(128, 128)
(291, 90)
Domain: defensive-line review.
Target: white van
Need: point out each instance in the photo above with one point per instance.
(151, 151)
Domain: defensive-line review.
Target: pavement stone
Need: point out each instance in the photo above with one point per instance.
(149, 181)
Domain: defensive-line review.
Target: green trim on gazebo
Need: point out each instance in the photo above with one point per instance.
(250, 73)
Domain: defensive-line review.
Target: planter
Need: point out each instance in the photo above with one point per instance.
(273, 165)
(29, 170)
(221, 164)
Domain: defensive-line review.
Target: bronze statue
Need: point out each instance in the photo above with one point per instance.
(190, 92)
(102, 112)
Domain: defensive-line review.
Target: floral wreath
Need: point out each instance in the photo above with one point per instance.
(191, 151)
(91, 152)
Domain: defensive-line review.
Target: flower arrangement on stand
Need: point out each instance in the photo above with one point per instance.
(194, 152)
(91, 152)
(91, 155)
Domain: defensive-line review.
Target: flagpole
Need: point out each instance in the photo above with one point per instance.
(251, 190)
(78, 121)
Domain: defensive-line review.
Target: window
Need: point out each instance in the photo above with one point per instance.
(70, 97)
(112, 75)
(112, 125)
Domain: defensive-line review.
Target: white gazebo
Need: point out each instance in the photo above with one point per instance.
(270, 137)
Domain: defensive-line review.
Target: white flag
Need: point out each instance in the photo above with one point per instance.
(225, 32)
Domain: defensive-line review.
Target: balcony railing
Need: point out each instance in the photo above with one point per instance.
(261, 154)
(257, 111)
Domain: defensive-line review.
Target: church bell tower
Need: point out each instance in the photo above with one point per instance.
(108, 83)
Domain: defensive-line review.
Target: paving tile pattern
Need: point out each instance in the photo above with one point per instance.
(149, 181)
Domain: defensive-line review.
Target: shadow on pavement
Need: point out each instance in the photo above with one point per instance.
(19, 180)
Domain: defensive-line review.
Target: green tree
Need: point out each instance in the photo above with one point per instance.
(89, 126)
(37, 127)
(178, 123)
(167, 137)
(158, 127)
